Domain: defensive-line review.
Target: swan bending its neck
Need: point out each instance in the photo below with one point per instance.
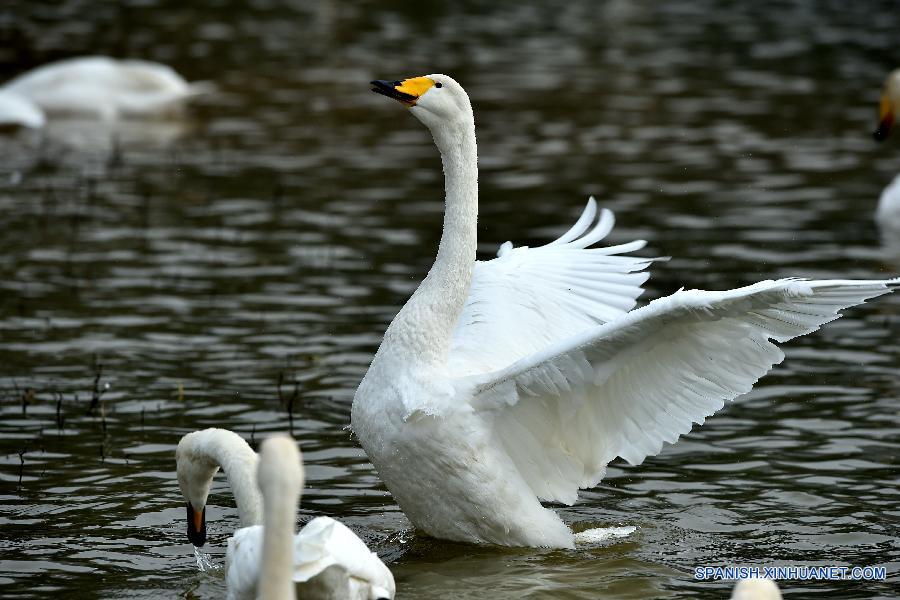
(199, 456)
(425, 325)
(265, 559)
(280, 478)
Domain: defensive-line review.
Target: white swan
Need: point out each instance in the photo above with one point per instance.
(16, 111)
(889, 107)
(888, 213)
(756, 589)
(96, 87)
(506, 382)
(329, 560)
(280, 479)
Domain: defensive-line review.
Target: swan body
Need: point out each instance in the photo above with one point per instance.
(889, 108)
(327, 560)
(888, 213)
(756, 589)
(503, 383)
(98, 87)
(16, 111)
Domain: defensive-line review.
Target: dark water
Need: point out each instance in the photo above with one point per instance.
(180, 272)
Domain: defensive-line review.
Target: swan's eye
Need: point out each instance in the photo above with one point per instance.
(438, 84)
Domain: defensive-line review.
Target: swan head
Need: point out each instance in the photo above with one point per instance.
(436, 100)
(890, 106)
(756, 589)
(198, 457)
(195, 472)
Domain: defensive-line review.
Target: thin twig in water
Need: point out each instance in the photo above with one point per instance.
(278, 387)
(59, 416)
(21, 464)
(27, 398)
(97, 392)
(290, 407)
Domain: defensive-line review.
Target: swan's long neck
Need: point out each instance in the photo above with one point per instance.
(200, 452)
(276, 581)
(425, 324)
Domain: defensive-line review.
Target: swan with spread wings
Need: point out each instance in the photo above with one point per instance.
(503, 383)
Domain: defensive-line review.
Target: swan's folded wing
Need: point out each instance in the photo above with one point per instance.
(325, 543)
(528, 298)
(242, 560)
(624, 388)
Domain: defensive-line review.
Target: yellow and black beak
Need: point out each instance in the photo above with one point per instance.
(885, 119)
(196, 526)
(407, 91)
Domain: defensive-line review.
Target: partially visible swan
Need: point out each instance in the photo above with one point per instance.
(280, 479)
(889, 107)
(329, 560)
(97, 87)
(503, 383)
(756, 589)
(888, 214)
(16, 111)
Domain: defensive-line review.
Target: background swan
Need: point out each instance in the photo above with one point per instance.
(98, 87)
(503, 383)
(329, 560)
(889, 107)
(888, 214)
(756, 589)
(16, 111)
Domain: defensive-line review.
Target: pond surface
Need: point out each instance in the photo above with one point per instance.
(178, 273)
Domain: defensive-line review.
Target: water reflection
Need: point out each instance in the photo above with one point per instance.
(277, 237)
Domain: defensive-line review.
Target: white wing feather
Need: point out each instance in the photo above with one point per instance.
(322, 543)
(242, 560)
(528, 298)
(624, 388)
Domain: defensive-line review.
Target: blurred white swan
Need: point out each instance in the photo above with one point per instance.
(16, 111)
(888, 214)
(503, 383)
(756, 589)
(327, 559)
(95, 87)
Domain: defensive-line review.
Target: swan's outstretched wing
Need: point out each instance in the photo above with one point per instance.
(528, 298)
(624, 388)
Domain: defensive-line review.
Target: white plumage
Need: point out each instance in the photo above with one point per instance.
(756, 589)
(16, 111)
(95, 87)
(888, 214)
(329, 560)
(503, 383)
(326, 559)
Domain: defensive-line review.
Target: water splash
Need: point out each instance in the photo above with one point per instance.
(601, 534)
(204, 561)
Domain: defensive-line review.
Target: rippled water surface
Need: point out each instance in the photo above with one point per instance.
(176, 274)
